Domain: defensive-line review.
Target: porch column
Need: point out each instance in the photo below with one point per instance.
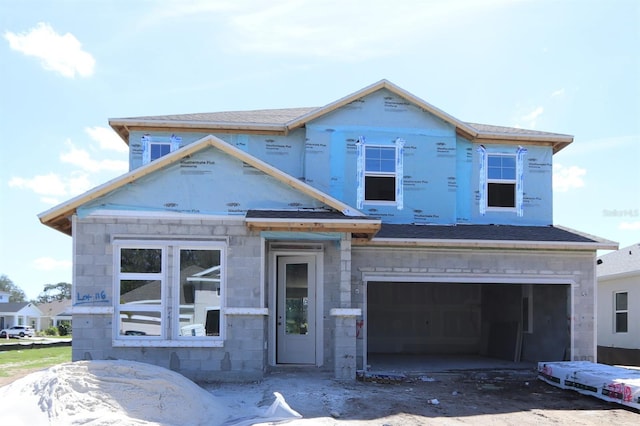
(345, 342)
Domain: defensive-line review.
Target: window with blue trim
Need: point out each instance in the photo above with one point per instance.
(501, 181)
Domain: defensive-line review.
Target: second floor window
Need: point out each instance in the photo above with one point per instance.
(154, 147)
(501, 181)
(380, 173)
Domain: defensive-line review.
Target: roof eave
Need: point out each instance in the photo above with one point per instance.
(122, 126)
(558, 141)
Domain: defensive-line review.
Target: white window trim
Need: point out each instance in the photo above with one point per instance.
(147, 140)
(175, 325)
(118, 276)
(617, 311)
(170, 321)
(397, 174)
(509, 181)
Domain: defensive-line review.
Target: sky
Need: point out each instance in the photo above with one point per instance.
(66, 67)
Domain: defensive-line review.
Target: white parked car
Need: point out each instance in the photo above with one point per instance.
(17, 331)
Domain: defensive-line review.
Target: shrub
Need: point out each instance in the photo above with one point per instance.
(63, 329)
(51, 331)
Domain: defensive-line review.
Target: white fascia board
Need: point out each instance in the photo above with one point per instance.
(187, 124)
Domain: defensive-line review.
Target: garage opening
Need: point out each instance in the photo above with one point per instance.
(471, 322)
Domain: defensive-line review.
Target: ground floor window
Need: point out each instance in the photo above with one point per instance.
(621, 312)
(169, 291)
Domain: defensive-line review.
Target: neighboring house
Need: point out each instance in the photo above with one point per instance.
(20, 313)
(4, 296)
(55, 312)
(618, 275)
(242, 241)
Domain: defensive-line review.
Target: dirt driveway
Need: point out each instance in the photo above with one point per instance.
(493, 397)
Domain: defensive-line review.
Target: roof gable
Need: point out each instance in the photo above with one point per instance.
(380, 85)
(23, 308)
(58, 217)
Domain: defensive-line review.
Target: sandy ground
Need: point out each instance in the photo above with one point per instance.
(493, 397)
(496, 397)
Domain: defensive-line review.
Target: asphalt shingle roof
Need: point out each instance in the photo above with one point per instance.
(481, 232)
(259, 116)
(626, 259)
(282, 116)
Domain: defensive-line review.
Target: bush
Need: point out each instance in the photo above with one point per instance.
(51, 331)
(63, 329)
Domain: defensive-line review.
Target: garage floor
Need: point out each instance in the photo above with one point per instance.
(420, 364)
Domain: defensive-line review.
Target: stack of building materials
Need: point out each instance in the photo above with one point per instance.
(609, 383)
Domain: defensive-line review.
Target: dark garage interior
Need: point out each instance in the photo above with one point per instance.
(506, 322)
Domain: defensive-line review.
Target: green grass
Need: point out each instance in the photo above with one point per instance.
(12, 362)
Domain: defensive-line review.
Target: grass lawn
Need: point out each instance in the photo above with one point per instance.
(16, 362)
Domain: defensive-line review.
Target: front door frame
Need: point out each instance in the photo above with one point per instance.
(291, 250)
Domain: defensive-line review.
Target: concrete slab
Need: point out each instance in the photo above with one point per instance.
(424, 363)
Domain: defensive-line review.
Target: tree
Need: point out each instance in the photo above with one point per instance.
(16, 294)
(53, 292)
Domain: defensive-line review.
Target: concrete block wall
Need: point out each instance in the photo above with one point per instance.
(345, 347)
(441, 265)
(243, 352)
(331, 299)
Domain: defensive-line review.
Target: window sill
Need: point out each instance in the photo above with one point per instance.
(380, 203)
(501, 209)
(196, 343)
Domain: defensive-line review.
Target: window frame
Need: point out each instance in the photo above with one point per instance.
(501, 181)
(176, 287)
(169, 277)
(148, 141)
(381, 174)
(119, 276)
(617, 311)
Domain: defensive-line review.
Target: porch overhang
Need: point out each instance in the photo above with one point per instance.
(311, 221)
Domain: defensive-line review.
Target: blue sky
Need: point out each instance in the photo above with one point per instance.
(66, 67)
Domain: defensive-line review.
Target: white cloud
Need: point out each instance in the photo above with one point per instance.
(59, 53)
(82, 159)
(51, 186)
(107, 138)
(50, 264)
(566, 178)
(531, 118)
(329, 29)
(629, 226)
(558, 93)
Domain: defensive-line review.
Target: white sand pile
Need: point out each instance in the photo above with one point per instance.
(109, 393)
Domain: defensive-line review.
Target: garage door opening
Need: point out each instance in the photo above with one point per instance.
(467, 322)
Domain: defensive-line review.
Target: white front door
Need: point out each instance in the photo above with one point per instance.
(296, 316)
